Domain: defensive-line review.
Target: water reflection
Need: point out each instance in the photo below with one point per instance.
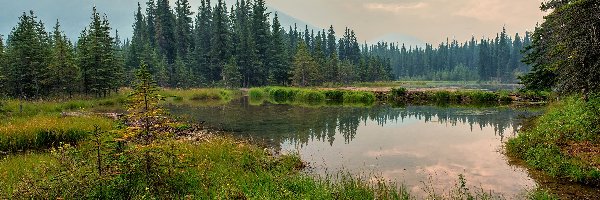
(278, 123)
(411, 145)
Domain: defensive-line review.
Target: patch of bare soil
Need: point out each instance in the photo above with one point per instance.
(586, 151)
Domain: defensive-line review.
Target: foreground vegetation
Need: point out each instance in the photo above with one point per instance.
(564, 142)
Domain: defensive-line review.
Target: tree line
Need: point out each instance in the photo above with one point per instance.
(236, 46)
(239, 46)
(497, 59)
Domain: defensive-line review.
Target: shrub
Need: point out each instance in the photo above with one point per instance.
(359, 97)
(398, 92)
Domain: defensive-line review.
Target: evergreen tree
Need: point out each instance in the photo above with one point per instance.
(262, 40)
(221, 41)
(64, 72)
(201, 69)
(139, 47)
(165, 36)
(97, 59)
(279, 62)
(183, 26)
(305, 70)
(3, 72)
(244, 46)
(331, 42)
(151, 23)
(232, 77)
(27, 64)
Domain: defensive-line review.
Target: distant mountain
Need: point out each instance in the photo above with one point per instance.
(407, 40)
(287, 21)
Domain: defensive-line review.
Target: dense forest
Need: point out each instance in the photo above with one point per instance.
(237, 46)
(497, 59)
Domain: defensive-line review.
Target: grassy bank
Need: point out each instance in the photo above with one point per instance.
(564, 142)
(405, 96)
(198, 96)
(223, 168)
(287, 95)
(40, 124)
(44, 131)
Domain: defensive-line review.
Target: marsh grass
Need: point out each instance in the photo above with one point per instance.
(199, 95)
(404, 96)
(222, 168)
(564, 142)
(43, 131)
(310, 97)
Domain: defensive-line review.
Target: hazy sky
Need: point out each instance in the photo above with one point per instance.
(426, 20)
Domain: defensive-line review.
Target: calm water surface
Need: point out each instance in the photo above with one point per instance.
(415, 146)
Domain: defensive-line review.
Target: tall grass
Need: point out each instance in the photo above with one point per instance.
(206, 94)
(564, 141)
(43, 131)
(402, 95)
(222, 168)
(286, 95)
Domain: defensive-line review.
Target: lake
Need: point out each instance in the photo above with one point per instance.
(418, 146)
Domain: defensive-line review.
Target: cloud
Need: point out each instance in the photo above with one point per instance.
(395, 7)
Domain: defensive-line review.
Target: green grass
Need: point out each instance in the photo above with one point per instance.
(403, 96)
(15, 168)
(310, 97)
(199, 95)
(222, 168)
(43, 131)
(564, 141)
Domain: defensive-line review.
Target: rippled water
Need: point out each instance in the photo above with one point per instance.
(415, 146)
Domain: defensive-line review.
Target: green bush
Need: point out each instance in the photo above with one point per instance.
(359, 97)
(573, 121)
(399, 92)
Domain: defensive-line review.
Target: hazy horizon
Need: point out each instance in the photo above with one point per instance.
(413, 21)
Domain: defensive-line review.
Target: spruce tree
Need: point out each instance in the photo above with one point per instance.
(97, 59)
(232, 78)
(203, 45)
(28, 48)
(262, 40)
(305, 71)
(221, 41)
(3, 67)
(139, 47)
(183, 26)
(279, 72)
(64, 72)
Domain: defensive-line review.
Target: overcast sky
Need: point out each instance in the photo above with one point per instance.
(426, 20)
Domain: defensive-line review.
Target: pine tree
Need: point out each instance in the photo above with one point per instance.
(262, 40)
(165, 36)
(232, 77)
(203, 44)
(244, 46)
(151, 23)
(183, 26)
(144, 107)
(27, 52)
(331, 42)
(64, 73)
(279, 73)
(221, 41)
(139, 47)
(3, 67)
(305, 71)
(97, 59)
